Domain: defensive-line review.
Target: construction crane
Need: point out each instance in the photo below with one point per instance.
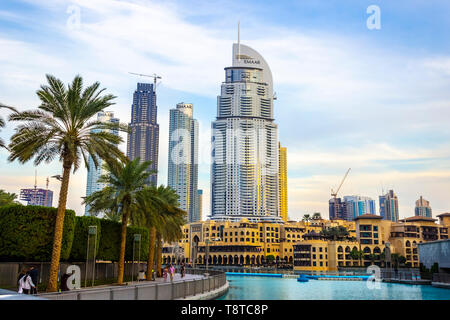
(154, 76)
(334, 194)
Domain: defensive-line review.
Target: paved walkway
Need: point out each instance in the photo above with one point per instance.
(176, 278)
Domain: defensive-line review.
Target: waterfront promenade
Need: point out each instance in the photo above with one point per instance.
(194, 286)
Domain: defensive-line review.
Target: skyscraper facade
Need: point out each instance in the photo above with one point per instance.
(183, 158)
(94, 173)
(199, 205)
(37, 197)
(389, 206)
(423, 208)
(143, 138)
(357, 206)
(338, 213)
(282, 182)
(244, 170)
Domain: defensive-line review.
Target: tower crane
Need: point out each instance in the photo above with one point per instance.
(334, 194)
(154, 76)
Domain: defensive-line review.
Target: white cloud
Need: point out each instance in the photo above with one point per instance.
(362, 91)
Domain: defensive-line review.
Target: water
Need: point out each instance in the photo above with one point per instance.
(262, 288)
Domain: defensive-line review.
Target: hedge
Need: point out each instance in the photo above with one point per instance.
(109, 248)
(80, 239)
(26, 233)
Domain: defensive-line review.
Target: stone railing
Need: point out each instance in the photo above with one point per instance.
(149, 291)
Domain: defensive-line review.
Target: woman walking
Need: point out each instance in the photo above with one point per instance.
(172, 272)
(26, 285)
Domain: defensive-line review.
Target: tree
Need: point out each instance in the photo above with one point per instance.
(2, 122)
(397, 259)
(124, 182)
(62, 128)
(170, 231)
(152, 209)
(7, 198)
(316, 216)
(306, 217)
(335, 233)
(357, 255)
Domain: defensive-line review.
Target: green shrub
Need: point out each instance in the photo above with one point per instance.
(26, 233)
(109, 248)
(131, 231)
(80, 239)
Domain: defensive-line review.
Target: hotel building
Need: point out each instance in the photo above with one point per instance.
(244, 170)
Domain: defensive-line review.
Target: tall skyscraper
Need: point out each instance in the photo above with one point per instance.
(357, 206)
(423, 208)
(143, 139)
(183, 158)
(282, 182)
(94, 173)
(389, 206)
(244, 170)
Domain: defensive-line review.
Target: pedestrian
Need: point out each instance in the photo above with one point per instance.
(182, 269)
(34, 277)
(172, 272)
(165, 274)
(25, 283)
(141, 276)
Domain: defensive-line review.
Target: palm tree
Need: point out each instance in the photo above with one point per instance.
(7, 198)
(170, 231)
(306, 217)
(2, 122)
(62, 128)
(150, 209)
(124, 181)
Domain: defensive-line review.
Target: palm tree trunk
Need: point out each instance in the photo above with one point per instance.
(59, 225)
(158, 254)
(151, 253)
(123, 239)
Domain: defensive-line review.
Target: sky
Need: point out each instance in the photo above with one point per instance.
(375, 100)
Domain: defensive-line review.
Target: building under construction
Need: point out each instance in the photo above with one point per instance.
(37, 197)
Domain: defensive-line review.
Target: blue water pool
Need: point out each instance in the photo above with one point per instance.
(266, 288)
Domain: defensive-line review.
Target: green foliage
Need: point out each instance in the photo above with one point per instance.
(435, 268)
(79, 247)
(270, 258)
(27, 233)
(131, 231)
(110, 241)
(335, 233)
(7, 199)
(109, 247)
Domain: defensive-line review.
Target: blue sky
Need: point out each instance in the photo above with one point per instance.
(373, 100)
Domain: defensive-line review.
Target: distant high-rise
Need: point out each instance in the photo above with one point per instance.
(340, 213)
(183, 158)
(423, 208)
(244, 171)
(37, 197)
(94, 173)
(389, 206)
(282, 183)
(357, 206)
(143, 139)
(199, 205)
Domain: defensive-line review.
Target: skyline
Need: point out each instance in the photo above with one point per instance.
(392, 130)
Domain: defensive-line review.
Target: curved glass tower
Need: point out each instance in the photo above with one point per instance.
(244, 172)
